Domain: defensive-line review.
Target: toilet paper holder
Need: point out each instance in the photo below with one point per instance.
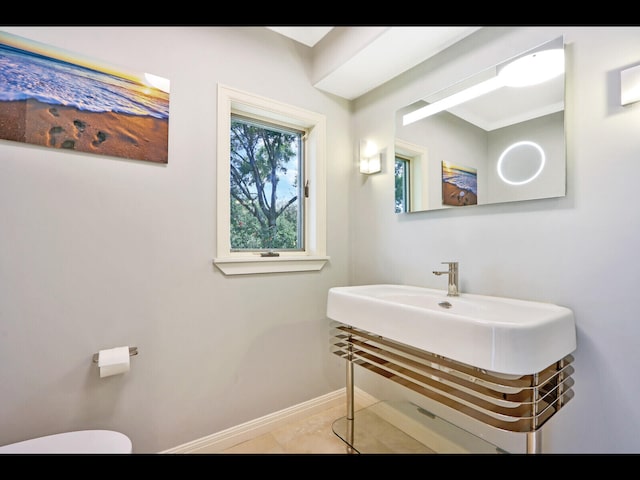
(132, 351)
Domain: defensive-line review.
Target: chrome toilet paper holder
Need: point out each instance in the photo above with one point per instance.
(132, 351)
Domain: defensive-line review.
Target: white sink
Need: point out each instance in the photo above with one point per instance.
(501, 335)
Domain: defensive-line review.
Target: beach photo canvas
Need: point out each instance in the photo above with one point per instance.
(459, 185)
(54, 98)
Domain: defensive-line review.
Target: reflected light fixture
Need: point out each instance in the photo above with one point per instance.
(532, 69)
(522, 146)
(369, 158)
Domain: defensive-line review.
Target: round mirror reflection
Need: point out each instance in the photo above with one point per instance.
(521, 162)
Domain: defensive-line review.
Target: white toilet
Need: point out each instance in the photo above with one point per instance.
(82, 441)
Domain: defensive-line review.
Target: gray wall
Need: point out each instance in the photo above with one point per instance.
(98, 252)
(580, 251)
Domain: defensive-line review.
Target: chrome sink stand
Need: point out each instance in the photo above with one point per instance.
(509, 402)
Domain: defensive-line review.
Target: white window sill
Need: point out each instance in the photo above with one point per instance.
(250, 265)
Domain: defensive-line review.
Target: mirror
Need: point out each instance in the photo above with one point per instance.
(492, 138)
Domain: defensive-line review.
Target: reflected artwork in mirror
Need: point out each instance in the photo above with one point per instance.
(495, 137)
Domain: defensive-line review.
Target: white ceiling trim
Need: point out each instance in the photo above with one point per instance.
(388, 55)
(381, 58)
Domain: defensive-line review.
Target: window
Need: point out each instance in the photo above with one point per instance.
(266, 181)
(271, 186)
(402, 183)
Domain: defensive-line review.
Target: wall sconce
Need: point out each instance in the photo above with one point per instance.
(369, 158)
(630, 85)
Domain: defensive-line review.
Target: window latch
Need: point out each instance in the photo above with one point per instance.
(306, 189)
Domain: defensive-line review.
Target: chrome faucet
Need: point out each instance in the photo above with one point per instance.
(452, 288)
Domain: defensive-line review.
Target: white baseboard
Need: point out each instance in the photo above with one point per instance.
(224, 439)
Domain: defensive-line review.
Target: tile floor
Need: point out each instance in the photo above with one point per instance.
(379, 428)
(315, 435)
(309, 435)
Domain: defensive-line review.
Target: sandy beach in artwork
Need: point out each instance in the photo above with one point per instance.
(105, 133)
(455, 196)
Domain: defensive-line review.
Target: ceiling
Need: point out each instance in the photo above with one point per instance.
(378, 54)
(374, 55)
(306, 35)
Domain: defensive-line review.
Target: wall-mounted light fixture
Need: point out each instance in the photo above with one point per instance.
(531, 69)
(369, 158)
(630, 85)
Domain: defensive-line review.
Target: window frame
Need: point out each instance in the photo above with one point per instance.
(313, 256)
(418, 159)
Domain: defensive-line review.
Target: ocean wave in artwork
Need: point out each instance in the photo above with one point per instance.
(24, 75)
(461, 179)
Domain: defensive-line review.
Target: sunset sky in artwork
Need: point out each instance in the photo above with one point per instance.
(78, 59)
